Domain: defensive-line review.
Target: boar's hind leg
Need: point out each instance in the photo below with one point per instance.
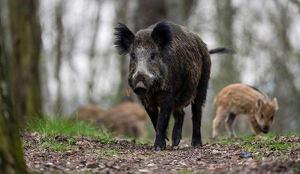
(229, 124)
(200, 100)
(197, 113)
(196, 118)
(177, 129)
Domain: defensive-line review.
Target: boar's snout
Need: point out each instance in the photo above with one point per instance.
(265, 129)
(141, 84)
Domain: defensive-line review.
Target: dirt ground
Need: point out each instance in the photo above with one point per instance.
(91, 156)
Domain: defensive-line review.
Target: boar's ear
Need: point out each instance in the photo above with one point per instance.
(275, 104)
(161, 34)
(123, 38)
(259, 104)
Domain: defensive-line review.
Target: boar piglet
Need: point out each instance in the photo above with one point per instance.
(241, 99)
(169, 69)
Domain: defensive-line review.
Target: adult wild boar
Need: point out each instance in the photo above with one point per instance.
(169, 69)
(241, 99)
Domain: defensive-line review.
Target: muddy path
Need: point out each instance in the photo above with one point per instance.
(84, 155)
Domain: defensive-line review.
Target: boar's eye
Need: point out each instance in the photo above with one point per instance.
(261, 116)
(272, 117)
(152, 56)
(132, 56)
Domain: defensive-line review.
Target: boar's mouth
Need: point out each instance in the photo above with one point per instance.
(264, 129)
(140, 88)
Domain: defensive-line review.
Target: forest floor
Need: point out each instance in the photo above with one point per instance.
(61, 145)
(82, 154)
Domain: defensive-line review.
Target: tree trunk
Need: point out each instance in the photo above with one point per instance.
(93, 55)
(122, 94)
(150, 12)
(11, 153)
(59, 9)
(179, 11)
(26, 45)
(228, 72)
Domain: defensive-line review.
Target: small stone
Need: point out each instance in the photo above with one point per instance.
(92, 165)
(143, 170)
(151, 164)
(246, 155)
(215, 152)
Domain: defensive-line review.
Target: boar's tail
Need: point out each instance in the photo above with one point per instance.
(221, 50)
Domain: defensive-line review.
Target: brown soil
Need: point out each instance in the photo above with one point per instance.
(90, 156)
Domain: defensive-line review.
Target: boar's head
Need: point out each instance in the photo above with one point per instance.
(265, 112)
(148, 51)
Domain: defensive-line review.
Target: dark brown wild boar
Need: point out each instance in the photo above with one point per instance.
(169, 69)
(240, 99)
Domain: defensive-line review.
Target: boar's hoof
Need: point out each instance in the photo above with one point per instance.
(176, 140)
(158, 146)
(196, 142)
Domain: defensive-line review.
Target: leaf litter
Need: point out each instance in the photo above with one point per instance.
(85, 155)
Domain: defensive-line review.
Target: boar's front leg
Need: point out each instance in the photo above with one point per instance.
(152, 111)
(162, 124)
(153, 114)
(229, 124)
(254, 125)
(177, 129)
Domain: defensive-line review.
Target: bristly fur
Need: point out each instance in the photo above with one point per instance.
(221, 50)
(123, 38)
(161, 34)
(256, 89)
(181, 66)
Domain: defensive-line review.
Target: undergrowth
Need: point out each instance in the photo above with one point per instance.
(51, 127)
(262, 144)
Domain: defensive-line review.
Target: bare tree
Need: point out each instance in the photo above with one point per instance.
(122, 15)
(26, 46)
(59, 12)
(179, 11)
(150, 12)
(11, 153)
(297, 3)
(93, 53)
(228, 72)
